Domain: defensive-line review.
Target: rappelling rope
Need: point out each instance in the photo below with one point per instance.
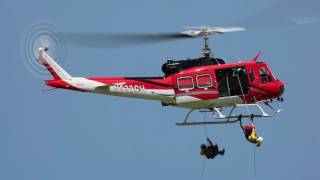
(254, 147)
(242, 92)
(204, 124)
(254, 162)
(203, 168)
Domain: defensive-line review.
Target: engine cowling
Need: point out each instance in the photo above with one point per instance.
(175, 66)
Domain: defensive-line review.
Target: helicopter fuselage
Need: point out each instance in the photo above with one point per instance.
(209, 86)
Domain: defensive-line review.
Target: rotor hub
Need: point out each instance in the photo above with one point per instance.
(205, 32)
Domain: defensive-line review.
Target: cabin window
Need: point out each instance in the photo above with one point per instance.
(251, 75)
(204, 81)
(185, 83)
(265, 77)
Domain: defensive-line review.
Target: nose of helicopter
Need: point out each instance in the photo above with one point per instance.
(281, 88)
(275, 88)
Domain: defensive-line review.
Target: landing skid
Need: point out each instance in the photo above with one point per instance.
(220, 118)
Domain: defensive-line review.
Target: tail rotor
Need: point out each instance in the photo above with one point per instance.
(41, 34)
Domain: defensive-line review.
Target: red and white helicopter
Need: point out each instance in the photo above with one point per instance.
(206, 83)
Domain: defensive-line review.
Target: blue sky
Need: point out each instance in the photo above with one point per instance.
(70, 135)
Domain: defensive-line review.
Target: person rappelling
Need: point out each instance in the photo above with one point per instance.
(250, 132)
(211, 150)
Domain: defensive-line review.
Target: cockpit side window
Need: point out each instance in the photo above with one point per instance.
(251, 75)
(265, 76)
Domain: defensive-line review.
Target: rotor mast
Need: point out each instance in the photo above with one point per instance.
(206, 51)
(206, 31)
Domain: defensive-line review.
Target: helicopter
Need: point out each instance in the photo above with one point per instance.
(206, 83)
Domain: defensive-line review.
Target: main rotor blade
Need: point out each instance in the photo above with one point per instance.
(113, 40)
(284, 13)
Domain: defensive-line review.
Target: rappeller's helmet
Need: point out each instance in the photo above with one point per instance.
(203, 146)
(248, 128)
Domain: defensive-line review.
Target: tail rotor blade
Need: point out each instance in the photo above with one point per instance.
(41, 34)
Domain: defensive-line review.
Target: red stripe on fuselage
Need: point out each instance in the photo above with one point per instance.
(147, 83)
(49, 68)
(61, 84)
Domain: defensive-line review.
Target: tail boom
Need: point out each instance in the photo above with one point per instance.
(152, 88)
(55, 70)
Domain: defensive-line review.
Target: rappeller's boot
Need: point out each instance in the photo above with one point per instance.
(259, 141)
(222, 152)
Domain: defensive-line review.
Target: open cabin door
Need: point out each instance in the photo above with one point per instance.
(232, 81)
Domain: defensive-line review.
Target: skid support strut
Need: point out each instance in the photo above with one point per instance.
(220, 118)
